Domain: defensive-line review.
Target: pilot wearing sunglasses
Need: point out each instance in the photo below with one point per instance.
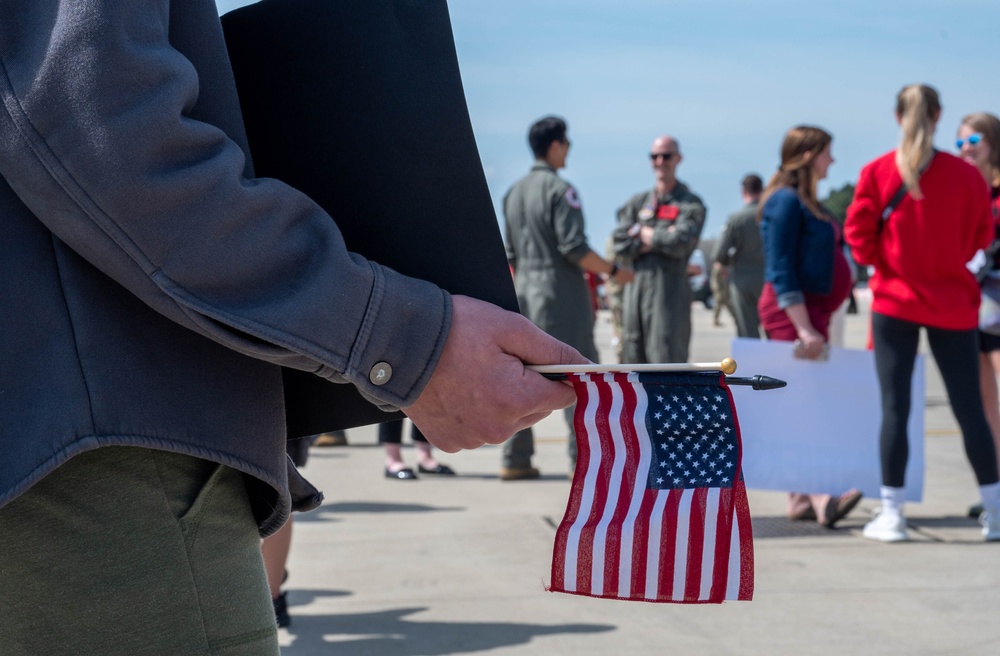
(657, 230)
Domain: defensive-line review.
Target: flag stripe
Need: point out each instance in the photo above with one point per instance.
(598, 478)
(654, 501)
(723, 546)
(568, 534)
(635, 480)
(709, 548)
(668, 544)
(745, 545)
(735, 564)
(681, 543)
(696, 546)
(607, 543)
(592, 581)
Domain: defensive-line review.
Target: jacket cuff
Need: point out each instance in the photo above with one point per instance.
(788, 299)
(577, 253)
(400, 340)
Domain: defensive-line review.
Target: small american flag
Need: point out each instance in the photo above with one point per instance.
(658, 508)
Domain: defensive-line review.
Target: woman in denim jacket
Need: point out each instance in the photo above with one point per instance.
(806, 275)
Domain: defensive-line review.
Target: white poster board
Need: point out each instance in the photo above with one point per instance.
(820, 434)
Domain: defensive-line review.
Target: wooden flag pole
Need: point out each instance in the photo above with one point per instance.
(727, 366)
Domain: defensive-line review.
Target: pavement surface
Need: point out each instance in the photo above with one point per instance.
(459, 565)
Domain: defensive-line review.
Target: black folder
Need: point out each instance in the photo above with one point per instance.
(359, 103)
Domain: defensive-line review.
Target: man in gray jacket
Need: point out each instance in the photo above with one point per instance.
(548, 250)
(658, 230)
(151, 287)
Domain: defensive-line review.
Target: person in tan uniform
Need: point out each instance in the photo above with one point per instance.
(741, 250)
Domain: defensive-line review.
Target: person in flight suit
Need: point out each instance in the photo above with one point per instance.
(548, 251)
(741, 249)
(657, 231)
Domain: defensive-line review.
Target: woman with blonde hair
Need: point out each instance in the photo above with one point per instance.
(918, 216)
(978, 144)
(806, 275)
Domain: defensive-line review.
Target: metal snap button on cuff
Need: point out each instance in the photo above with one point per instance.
(380, 373)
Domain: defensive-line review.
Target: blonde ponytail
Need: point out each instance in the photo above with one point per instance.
(918, 108)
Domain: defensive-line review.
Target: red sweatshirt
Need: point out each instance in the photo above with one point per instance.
(921, 251)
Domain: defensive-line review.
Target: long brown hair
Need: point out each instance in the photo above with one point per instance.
(988, 125)
(801, 146)
(918, 107)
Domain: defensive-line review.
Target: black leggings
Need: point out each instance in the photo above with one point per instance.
(391, 432)
(957, 355)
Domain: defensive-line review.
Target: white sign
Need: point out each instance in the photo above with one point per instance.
(820, 434)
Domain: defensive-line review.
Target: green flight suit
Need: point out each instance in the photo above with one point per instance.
(656, 313)
(545, 240)
(742, 250)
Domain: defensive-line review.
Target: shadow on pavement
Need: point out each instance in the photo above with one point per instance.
(782, 527)
(327, 512)
(943, 522)
(389, 633)
(299, 597)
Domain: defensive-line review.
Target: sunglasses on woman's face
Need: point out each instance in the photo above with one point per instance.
(972, 139)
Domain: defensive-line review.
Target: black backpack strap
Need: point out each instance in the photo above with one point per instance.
(897, 198)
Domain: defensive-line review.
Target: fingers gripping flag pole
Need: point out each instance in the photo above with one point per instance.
(658, 508)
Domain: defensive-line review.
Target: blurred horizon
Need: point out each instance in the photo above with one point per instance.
(727, 79)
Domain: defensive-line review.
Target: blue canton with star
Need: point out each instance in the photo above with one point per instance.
(693, 437)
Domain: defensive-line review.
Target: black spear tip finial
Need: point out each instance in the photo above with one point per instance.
(762, 382)
(757, 382)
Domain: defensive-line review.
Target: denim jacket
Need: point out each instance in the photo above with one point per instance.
(798, 248)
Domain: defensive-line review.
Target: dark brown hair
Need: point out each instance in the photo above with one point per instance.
(801, 146)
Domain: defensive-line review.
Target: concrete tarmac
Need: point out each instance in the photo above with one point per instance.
(459, 565)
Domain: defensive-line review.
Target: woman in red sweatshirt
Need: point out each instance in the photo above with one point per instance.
(919, 249)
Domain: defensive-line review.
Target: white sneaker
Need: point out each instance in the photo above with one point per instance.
(990, 521)
(887, 527)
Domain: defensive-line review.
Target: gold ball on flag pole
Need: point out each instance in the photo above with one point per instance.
(729, 366)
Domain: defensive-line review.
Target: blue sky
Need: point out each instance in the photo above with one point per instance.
(726, 78)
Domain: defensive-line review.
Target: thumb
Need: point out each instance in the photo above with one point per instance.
(530, 344)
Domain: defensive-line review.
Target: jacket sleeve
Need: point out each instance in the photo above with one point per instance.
(861, 226)
(568, 224)
(781, 227)
(728, 241)
(626, 246)
(509, 246)
(98, 138)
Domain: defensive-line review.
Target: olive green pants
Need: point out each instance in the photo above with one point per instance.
(131, 551)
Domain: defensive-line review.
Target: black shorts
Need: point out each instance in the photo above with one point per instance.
(988, 342)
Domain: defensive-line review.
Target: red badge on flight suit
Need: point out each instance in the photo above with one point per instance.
(667, 212)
